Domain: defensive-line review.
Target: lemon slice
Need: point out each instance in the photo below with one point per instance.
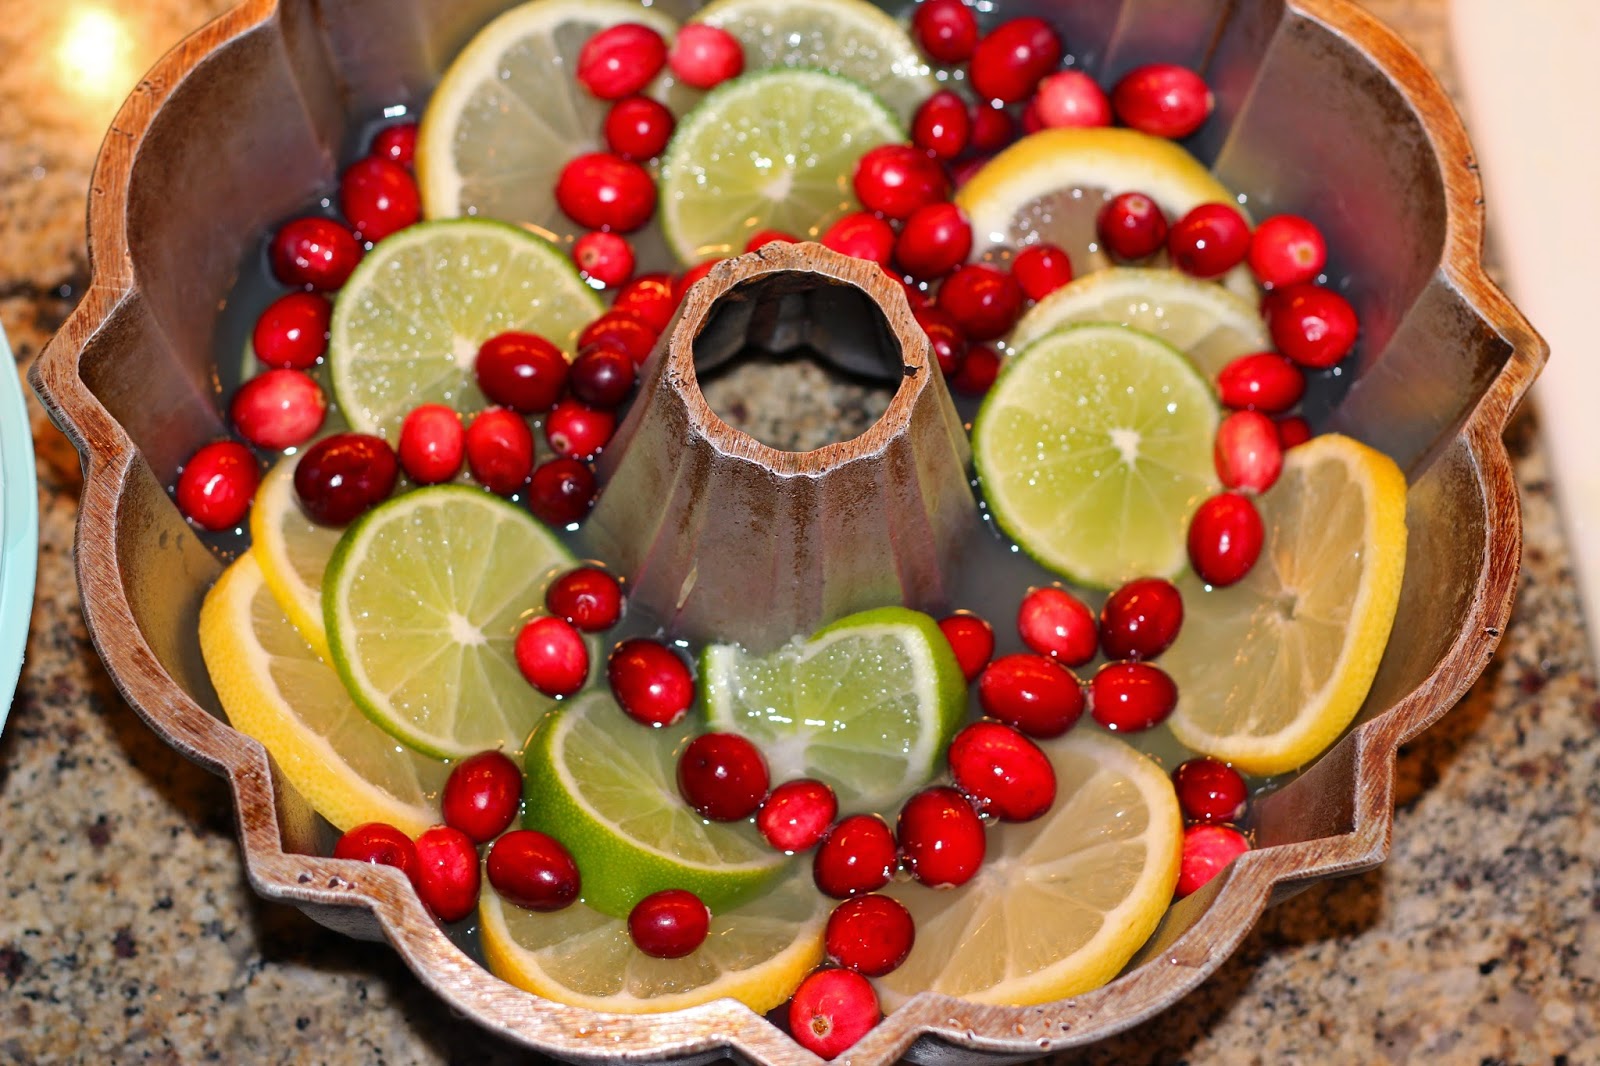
(275, 689)
(1209, 324)
(1060, 904)
(756, 953)
(1272, 669)
(292, 551)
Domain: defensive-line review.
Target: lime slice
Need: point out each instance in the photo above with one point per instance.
(274, 688)
(606, 787)
(423, 601)
(293, 551)
(1094, 448)
(771, 150)
(1272, 669)
(407, 325)
(866, 706)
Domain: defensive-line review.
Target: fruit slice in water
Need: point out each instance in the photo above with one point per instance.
(407, 325)
(757, 953)
(1209, 324)
(423, 600)
(775, 149)
(275, 689)
(1303, 633)
(293, 551)
(867, 705)
(1060, 904)
(606, 787)
(1094, 448)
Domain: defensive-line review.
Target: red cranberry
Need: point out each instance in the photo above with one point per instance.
(1247, 452)
(638, 128)
(992, 128)
(704, 57)
(588, 597)
(797, 814)
(1131, 226)
(1209, 791)
(1287, 250)
(831, 1010)
(620, 60)
(522, 371)
(500, 450)
(896, 179)
(381, 844)
(1163, 100)
(762, 238)
(1031, 122)
(723, 777)
(315, 253)
(942, 126)
(603, 375)
(552, 656)
(941, 838)
(432, 444)
(984, 301)
(1225, 537)
(624, 328)
(599, 190)
(669, 924)
(605, 259)
(648, 297)
(934, 241)
(1209, 241)
(1131, 697)
(978, 370)
(341, 477)
(1315, 327)
(481, 795)
(1207, 851)
(397, 143)
(1041, 269)
(447, 873)
(379, 197)
(1002, 771)
(1012, 59)
(1054, 622)
(651, 683)
(972, 639)
(533, 871)
(1293, 432)
(217, 484)
(1039, 696)
(278, 409)
(578, 431)
(1141, 619)
(856, 857)
(871, 935)
(945, 338)
(1263, 381)
(861, 236)
(916, 298)
(946, 30)
(292, 333)
(694, 274)
(562, 491)
(1072, 99)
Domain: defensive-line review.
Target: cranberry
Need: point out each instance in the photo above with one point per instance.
(624, 328)
(1293, 432)
(292, 332)
(942, 126)
(278, 409)
(552, 656)
(1225, 537)
(500, 450)
(945, 30)
(1287, 250)
(1315, 327)
(1002, 771)
(1141, 619)
(649, 298)
(577, 431)
(216, 485)
(1012, 59)
(861, 236)
(1263, 381)
(945, 338)
(978, 370)
(831, 1010)
(379, 197)
(481, 795)
(447, 873)
(432, 444)
(941, 838)
(704, 56)
(638, 128)
(1209, 791)
(379, 843)
(723, 777)
(1209, 241)
(669, 924)
(992, 128)
(762, 238)
(934, 241)
(871, 935)
(397, 143)
(603, 375)
(1131, 226)
(599, 190)
(1041, 270)
(605, 259)
(797, 814)
(1207, 851)
(984, 301)
(1072, 99)
(522, 371)
(533, 871)
(1247, 452)
(620, 60)
(588, 597)
(315, 253)
(1131, 697)
(916, 297)
(972, 639)
(341, 477)
(562, 491)
(651, 683)
(694, 274)
(1031, 122)
(1037, 695)
(856, 857)
(1163, 100)
(896, 179)
(1054, 622)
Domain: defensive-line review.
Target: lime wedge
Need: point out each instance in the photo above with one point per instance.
(606, 787)
(1094, 448)
(866, 705)
(423, 601)
(293, 551)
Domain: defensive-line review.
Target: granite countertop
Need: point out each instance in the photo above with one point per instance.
(128, 931)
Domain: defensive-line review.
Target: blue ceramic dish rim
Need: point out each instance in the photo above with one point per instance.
(19, 528)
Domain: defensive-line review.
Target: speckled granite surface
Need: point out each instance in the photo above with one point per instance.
(127, 932)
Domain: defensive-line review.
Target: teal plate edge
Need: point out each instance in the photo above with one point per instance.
(19, 526)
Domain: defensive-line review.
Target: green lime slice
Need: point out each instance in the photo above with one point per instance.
(407, 325)
(606, 787)
(771, 150)
(1093, 450)
(866, 705)
(423, 600)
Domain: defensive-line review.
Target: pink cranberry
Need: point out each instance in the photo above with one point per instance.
(1054, 622)
(831, 1010)
(599, 190)
(942, 126)
(1209, 241)
(397, 143)
(941, 838)
(292, 333)
(1002, 771)
(432, 444)
(1293, 432)
(992, 128)
(638, 128)
(984, 301)
(723, 777)
(1131, 227)
(945, 338)
(1314, 326)
(1141, 619)
(762, 238)
(341, 477)
(588, 597)
(605, 259)
(533, 871)
(1225, 537)
(217, 484)
(1163, 100)
(972, 639)
(871, 935)
(379, 197)
(481, 795)
(1072, 99)
(704, 57)
(651, 683)
(1041, 269)
(669, 924)
(856, 857)
(561, 491)
(1209, 791)
(978, 370)
(603, 375)
(861, 236)
(649, 298)
(552, 656)
(447, 873)
(499, 450)
(1131, 697)
(1039, 696)
(934, 241)
(620, 60)
(1287, 250)
(896, 179)
(945, 30)
(1010, 61)
(381, 844)
(522, 371)
(1247, 452)
(278, 409)
(797, 814)
(1262, 381)
(314, 253)
(1207, 851)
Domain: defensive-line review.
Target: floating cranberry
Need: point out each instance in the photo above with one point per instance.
(1314, 326)
(1225, 537)
(603, 375)
(978, 370)
(1039, 696)
(942, 126)
(481, 795)
(341, 477)
(1247, 452)
(856, 857)
(1293, 432)
(1209, 241)
(292, 333)
(1287, 250)
(1041, 269)
(626, 329)
(941, 838)
(648, 297)
(561, 491)
(1209, 791)
(723, 777)
(945, 338)
(1262, 381)
(946, 30)
(984, 301)
(522, 371)
(1131, 227)
(278, 409)
(669, 924)
(379, 843)
(533, 871)
(1071, 99)
(605, 259)
(620, 60)
(599, 190)
(577, 431)
(216, 485)
(447, 873)
(797, 814)
(638, 128)
(1163, 99)
(762, 238)
(694, 274)
(588, 597)
(1010, 61)
(896, 179)
(500, 450)
(552, 656)
(1141, 619)
(934, 241)
(861, 235)
(314, 252)
(992, 128)
(1131, 697)
(972, 639)
(1054, 622)
(651, 683)
(1002, 771)
(379, 197)
(1207, 851)
(432, 444)
(1031, 122)
(704, 57)
(397, 143)
(831, 1010)
(871, 935)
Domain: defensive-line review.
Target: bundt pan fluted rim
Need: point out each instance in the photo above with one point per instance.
(1333, 831)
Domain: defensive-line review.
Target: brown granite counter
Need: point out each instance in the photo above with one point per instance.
(128, 933)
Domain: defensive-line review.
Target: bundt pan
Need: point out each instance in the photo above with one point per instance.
(1320, 110)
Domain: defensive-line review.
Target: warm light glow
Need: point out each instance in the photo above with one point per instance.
(96, 54)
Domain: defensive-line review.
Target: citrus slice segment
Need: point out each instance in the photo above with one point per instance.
(1094, 449)
(1061, 903)
(293, 552)
(1303, 633)
(274, 688)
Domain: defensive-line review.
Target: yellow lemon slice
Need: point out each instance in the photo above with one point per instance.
(292, 552)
